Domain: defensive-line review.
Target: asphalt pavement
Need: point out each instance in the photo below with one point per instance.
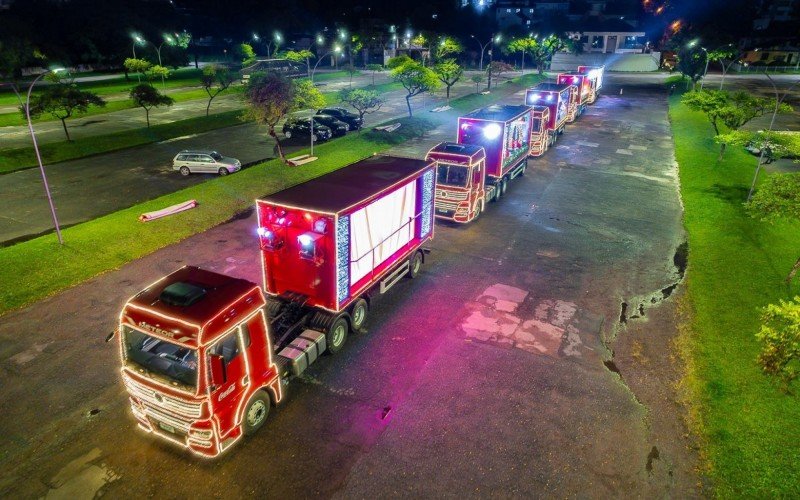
(90, 187)
(510, 368)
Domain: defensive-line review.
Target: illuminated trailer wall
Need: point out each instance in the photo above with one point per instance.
(595, 76)
(581, 81)
(333, 237)
(504, 133)
(554, 96)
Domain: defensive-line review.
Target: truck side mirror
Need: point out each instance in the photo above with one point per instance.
(218, 375)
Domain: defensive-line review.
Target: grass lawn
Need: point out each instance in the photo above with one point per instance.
(17, 159)
(40, 267)
(750, 430)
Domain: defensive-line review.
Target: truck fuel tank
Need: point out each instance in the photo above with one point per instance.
(303, 351)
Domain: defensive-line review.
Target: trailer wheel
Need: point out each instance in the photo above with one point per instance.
(414, 265)
(358, 314)
(256, 412)
(336, 335)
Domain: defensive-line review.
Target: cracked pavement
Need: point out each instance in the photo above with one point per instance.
(503, 370)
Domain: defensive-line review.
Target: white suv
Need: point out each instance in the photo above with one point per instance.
(200, 161)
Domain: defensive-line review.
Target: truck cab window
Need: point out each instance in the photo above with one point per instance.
(228, 347)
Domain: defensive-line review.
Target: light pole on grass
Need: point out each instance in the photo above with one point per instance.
(169, 41)
(39, 156)
(778, 101)
(335, 50)
(483, 46)
(137, 40)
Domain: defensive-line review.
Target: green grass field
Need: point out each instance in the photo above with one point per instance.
(40, 267)
(750, 430)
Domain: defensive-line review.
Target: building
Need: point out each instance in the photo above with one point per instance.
(560, 15)
(608, 36)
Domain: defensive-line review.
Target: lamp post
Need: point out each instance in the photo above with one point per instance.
(778, 101)
(137, 40)
(491, 59)
(483, 49)
(39, 156)
(169, 41)
(331, 52)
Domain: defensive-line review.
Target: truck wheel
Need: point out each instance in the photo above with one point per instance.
(336, 335)
(478, 210)
(414, 265)
(358, 314)
(185, 171)
(256, 412)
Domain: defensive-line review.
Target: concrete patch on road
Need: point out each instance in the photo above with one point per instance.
(494, 318)
(624, 152)
(29, 354)
(81, 479)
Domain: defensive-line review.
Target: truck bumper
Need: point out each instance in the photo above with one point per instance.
(202, 442)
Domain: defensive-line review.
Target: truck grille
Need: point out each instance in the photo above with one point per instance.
(451, 195)
(446, 205)
(157, 401)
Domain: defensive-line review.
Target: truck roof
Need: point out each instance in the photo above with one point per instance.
(341, 189)
(456, 148)
(498, 112)
(188, 300)
(551, 87)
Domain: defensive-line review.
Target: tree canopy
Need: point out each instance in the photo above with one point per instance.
(62, 101)
(413, 76)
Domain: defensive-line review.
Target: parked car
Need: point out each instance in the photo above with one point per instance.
(786, 151)
(204, 161)
(302, 128)
(342, 114)
(338, 127)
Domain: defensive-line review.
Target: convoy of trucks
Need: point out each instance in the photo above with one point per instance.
(205, 356)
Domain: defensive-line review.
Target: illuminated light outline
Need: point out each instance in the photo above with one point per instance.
(428, 200)
(206, 398)
(481, 193)
(342, 243)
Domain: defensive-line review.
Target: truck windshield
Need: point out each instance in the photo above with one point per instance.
(161, 357)
(452, 175)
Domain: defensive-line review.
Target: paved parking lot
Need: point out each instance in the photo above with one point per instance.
(531, 358)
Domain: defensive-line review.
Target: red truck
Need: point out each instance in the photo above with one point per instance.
(583, 91)
(595, 75)
(205, 356)
(557, 98)
(493, 146)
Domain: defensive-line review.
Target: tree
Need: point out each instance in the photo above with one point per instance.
(156, 72)
(741, 108)
(521, 45)
(136, 65)
(301, 56)
(271, 96)
(215, 80)
(364, 101)
(780, 341)
(396, 62)
(542, 50)
(146, 96)
(710, 102)
(374, 68)
(15, 54)
(63, 100)
(414, 77)
(496, 68)
(691, 63)
(447, 46)
(725, 56)
(245, 53)
(477, 79)
(448, 72)
(779, 196)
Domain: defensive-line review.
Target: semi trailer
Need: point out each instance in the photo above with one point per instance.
(581, 94)
(205, 356)
(556, 97)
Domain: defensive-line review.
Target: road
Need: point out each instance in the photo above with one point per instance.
(509, 368)
(90, 187)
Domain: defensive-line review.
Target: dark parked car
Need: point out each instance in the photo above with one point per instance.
(338, 127)
(342, 114)
(302, 128)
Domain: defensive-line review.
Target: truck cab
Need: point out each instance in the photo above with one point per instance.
(461, 187)
(541, 140)
(197, 359)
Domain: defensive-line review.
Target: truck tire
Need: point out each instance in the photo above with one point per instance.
(414, 265)
(478, 210)
(358, 315)
(336, 335)
(255, 413)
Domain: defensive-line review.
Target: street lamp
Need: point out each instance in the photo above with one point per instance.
(137, 40)
(335, 50)
(778, 101)
(168, 40)
(483, 46)
(39, 156)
